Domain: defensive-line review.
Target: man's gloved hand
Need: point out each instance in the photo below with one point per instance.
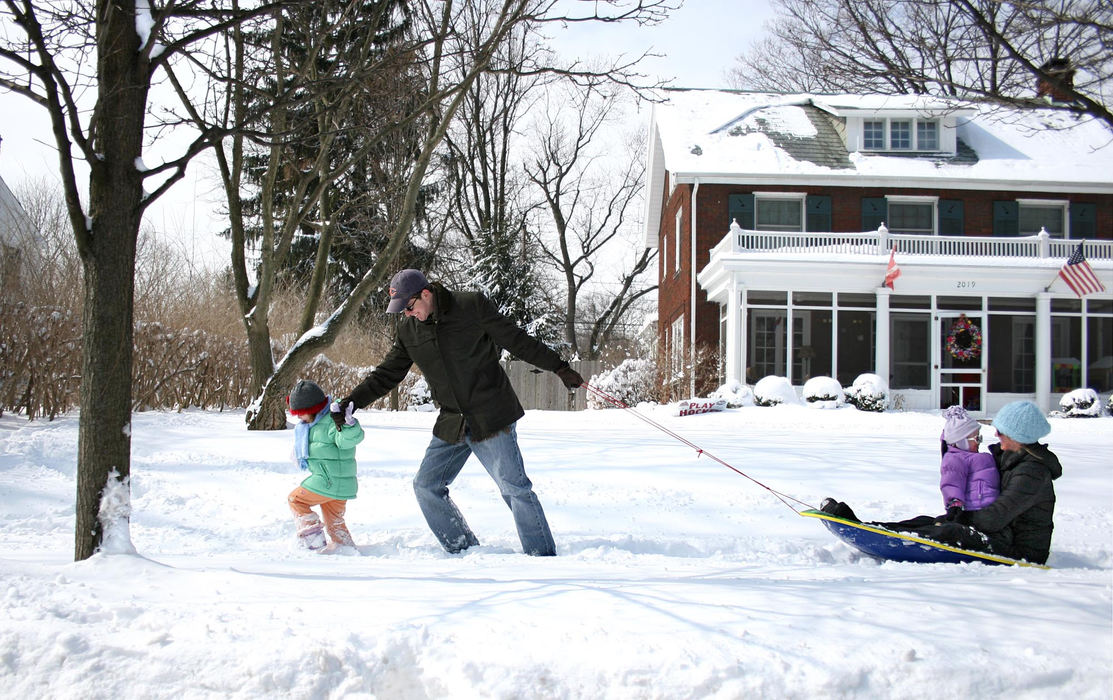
(570, 377)
(342, 413)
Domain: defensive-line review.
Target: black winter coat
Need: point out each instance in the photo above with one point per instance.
(457, 349)
(1019, 522)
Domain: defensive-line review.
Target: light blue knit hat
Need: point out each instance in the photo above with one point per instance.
(1022, 421)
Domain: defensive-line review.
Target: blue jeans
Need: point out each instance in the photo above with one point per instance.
(502, 459)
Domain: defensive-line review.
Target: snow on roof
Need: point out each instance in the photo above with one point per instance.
(716, 134)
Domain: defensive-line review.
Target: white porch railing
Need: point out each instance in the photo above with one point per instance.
(881, 241)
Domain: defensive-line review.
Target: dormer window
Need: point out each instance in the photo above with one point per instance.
(927, 135)
(873, 135)
(900, 134)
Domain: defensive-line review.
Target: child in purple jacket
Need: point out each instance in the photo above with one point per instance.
(969, 479)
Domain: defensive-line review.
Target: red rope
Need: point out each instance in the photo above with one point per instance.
(782, 497)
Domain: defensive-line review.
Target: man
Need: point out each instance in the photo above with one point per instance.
(455, 339)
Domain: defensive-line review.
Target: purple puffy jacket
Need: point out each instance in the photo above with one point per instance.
(971, 477)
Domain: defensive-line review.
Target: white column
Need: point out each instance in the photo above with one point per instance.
(881, 352)
(1043, 351)
(743, 332)
(734, 348)
(692, 296)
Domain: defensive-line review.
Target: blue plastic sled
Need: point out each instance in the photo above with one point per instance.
(902, 546)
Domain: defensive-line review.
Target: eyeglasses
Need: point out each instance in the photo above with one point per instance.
(413, 300)
(977, 438)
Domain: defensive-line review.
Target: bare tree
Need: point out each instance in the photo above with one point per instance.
(980, 49)
(453, 44)
(339, 109)
(61, 55)
(590, 199)
(491, 243)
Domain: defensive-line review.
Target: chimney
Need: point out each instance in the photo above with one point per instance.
(1060, 70)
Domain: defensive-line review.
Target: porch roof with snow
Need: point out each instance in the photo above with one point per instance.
(750, 138)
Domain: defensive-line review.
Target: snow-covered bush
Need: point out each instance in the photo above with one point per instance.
(420, 398)
(773, 390)
(631, 382)
(823, 392)
(736, 394)
(1109, 405)
(869, 392)
(1080, 403)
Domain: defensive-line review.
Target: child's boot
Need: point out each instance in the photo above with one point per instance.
(311, 533)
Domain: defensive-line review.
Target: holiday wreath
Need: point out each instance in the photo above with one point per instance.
(964, 340)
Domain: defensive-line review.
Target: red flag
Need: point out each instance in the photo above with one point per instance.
(893, 271)
(1079, 276)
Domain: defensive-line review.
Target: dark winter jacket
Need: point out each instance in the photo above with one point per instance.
(971, 477)
(1019, 522)
(457, 349)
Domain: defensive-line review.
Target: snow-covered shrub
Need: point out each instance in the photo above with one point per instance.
(1109, 405)
(736, 394)
(823, 392)
(869, 392)
(631, 382)
(773, 390)
(420, 398)
(1080, 403)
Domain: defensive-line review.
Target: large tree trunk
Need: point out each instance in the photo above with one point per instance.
(270, 412)
(107, 246)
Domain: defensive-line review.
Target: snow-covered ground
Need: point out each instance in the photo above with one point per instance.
(676, 577)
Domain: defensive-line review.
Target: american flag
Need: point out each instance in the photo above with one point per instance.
(1078, 274)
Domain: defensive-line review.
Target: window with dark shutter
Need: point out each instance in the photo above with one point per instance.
(1006, 219)
(875, 210)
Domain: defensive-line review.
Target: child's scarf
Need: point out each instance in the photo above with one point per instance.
(301, 439)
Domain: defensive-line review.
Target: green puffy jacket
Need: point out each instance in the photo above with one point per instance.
(457, 349)
(332, 459)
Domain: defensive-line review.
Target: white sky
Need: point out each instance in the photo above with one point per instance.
(699, 42)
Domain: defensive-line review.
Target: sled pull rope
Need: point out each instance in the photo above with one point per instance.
(782, 497)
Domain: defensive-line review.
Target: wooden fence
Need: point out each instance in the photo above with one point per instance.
(538, 389)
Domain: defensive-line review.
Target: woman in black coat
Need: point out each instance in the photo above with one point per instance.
(1019, 523)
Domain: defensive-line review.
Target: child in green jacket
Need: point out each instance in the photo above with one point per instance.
(325, 446)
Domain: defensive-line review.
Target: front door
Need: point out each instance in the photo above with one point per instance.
(960, 360)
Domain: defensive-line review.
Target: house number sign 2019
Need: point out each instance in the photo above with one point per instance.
(965, 284)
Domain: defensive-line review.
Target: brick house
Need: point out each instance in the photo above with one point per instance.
(775, 217)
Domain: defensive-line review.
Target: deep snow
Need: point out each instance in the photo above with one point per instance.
(676, 577)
